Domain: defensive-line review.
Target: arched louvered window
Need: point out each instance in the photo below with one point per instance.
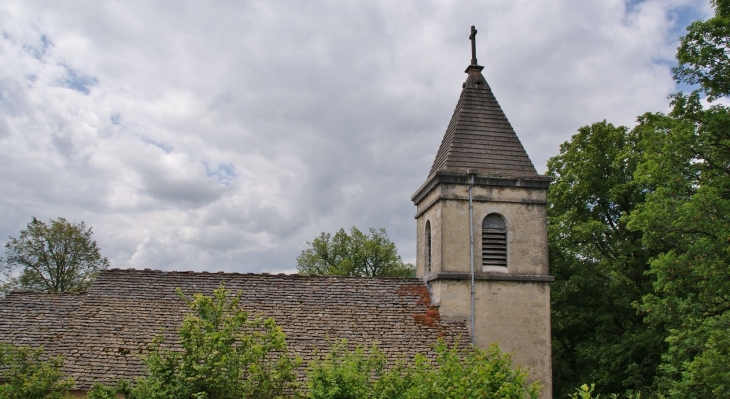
(494, 241)
(428, 246)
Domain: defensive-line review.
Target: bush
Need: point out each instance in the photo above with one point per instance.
(225, 355)
(26, 375)
(586, 392)
(472, 373)
(357, 374)
(455, 373)
(100, 391)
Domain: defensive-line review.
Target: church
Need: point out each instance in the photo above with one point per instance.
(482, 274)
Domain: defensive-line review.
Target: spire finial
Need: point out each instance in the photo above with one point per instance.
(473, 38)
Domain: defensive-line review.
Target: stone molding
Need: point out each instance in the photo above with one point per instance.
(540, 278)
(537, 182)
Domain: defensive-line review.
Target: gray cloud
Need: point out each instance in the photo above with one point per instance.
(225, 135)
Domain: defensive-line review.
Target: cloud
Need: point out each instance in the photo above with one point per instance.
(225, 135)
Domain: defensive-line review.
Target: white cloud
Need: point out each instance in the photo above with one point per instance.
(225, 135)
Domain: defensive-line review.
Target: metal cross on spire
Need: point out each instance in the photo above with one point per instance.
(473, 38)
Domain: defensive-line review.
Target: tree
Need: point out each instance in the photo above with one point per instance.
(677, 221)
(704, 53)
(357, 254)
(225, 354)
(687, 161)
(600, 265)
(26, 375)
(687, 165)
(53, 257)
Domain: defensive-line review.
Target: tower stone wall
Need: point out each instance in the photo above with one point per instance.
(512, 304)
(446, 207)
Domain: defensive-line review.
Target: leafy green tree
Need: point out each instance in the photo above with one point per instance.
(687, 162)
(704, 53)
(53, 257)
(639, 231)
(600, 265)
(25, 374)
(356, 254)
(455, 373)
(225, 354)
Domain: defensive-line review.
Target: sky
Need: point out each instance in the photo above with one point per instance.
(225, 135)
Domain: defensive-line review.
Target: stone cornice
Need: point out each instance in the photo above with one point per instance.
(476, 199)
(537, 182)
(544, 278)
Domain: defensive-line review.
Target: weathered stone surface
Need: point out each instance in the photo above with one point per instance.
(103, 333)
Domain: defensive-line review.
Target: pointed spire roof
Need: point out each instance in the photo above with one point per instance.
(479, 136)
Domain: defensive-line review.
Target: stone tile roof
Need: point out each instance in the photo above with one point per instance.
(103, 332)
(480, 137)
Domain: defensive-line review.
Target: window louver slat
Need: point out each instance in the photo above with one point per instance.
(494, 241)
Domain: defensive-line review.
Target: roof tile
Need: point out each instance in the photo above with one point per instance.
(480, 134)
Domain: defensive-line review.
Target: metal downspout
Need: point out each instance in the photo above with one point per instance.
(471, 255)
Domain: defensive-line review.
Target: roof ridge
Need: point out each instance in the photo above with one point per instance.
(39, 293)
(261, 274)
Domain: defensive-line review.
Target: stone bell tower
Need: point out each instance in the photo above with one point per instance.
(482, 231)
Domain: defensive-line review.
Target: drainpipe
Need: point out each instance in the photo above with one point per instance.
(471, 252)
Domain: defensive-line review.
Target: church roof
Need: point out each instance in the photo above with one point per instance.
(480, 137)
(103, 332)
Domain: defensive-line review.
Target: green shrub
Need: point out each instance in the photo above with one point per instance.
(586, 392)
(357, 374)
(225, 355)
(25, 374)
(455, 373)
(472, 373)
(100, 391)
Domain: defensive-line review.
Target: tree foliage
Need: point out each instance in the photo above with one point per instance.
(600, 265)
(356, 254)
(466, 373)
(677, 222)
(704, 53)
(225, 354)
(470, 374)
(25, 373)
(587, 392)
(687, 165)
(101, 391)
(53, 257)
(687, 162)
(356, 374)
